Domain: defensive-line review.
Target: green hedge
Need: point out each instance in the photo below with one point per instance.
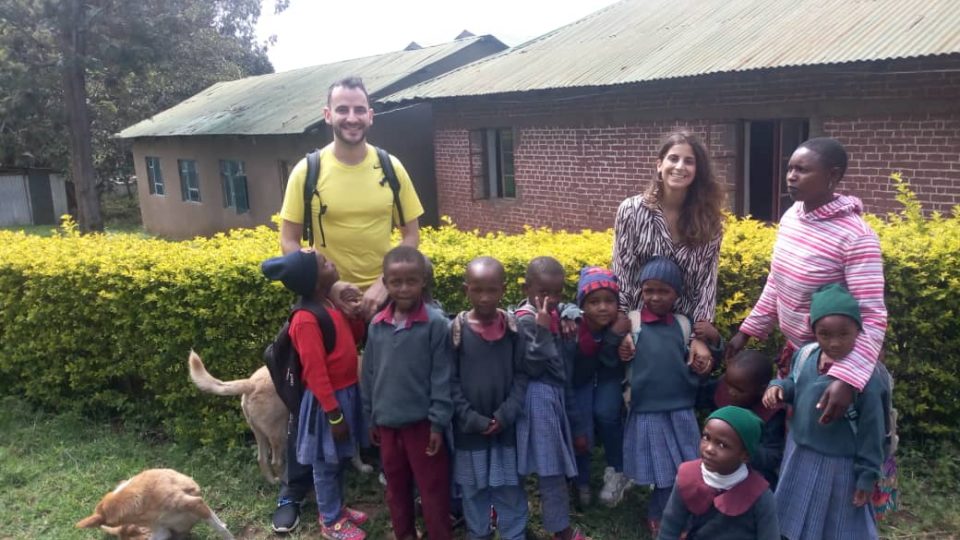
(103, 324)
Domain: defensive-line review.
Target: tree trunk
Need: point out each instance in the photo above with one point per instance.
(73, 51)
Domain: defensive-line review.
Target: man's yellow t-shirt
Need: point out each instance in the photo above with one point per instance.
(359, 213)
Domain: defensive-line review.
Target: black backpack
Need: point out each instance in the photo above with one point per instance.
(310, 186)
(283, 361)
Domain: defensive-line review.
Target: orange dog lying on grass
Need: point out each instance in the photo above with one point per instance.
(158, 504)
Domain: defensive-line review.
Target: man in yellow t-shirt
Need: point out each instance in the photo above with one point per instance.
(357, 203)
(353, 207)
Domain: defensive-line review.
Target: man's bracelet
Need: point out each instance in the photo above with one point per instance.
(337, 421)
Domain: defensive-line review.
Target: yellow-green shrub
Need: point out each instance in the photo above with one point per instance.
(104, 323)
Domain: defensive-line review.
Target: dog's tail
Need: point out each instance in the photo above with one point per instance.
(91, 521)
(211, 385)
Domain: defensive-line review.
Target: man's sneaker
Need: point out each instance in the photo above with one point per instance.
(286, 517)
(356, 517)
(382, 479)
(614, 485)
(585, 496)
(343, 529)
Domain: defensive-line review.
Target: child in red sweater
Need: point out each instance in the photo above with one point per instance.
(330, 420)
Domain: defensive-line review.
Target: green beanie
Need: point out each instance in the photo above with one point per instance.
(834, 299)
(747, 425)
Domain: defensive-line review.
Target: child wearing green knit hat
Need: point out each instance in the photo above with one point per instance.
(829, 470)
(718, 496)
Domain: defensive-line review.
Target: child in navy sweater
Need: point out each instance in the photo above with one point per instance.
(544, 441)
(488, 385)
(406, 396)
(662, 430)
(718, 497)
(330, 423)
(829, 470)
(596, 381)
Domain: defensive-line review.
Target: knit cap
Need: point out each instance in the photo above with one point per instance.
(834, 299)
(296, 270)
(747, 425)
(665, 270)
(594, 278)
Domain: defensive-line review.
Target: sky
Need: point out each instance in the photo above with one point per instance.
(312, 32)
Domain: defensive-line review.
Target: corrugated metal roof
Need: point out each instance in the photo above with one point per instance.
(283, 103)
(644, 40)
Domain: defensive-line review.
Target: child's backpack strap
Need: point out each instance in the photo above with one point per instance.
(511, 319)
(801, 358)
(685, 327)
(456, 329)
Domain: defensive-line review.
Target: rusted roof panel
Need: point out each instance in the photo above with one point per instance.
(643, 40)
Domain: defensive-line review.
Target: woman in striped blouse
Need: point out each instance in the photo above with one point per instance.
(822, 239)
(678, 216)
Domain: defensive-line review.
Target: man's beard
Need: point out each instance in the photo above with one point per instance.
(338, 135)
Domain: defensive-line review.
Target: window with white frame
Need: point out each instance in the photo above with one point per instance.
(491, 163)
(154, 176)
(189, 180)
(233, 178)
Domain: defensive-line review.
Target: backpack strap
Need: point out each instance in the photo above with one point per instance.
(324, 320)
(685, 327)
(456, 329)
(309, 188)
(390, 176)
(802, 356)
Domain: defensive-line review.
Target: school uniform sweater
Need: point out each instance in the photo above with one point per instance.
(746, 511)
(406, 370)
(488, 381)
(545, 361)
(859, 434)
(593, 355)
(660, 379)
(832, 244)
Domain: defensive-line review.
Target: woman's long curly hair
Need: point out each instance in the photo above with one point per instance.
(701, 217)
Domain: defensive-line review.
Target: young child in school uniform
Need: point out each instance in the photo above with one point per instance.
(405, 384)
(544, 441)
(829, 469)
(718, 497)
(330, 422)
(596, 380)
(488, 385)
(743, 384)
(662, 430)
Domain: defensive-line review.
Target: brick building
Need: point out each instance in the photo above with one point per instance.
(220, 160)
(558, 131)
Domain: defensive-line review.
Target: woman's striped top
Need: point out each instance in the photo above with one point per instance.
(641, 233)
(832, 244)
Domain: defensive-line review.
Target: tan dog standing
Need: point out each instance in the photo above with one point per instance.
(265, 413)
(157, 503)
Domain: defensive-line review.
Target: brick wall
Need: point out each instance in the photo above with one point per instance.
(580, 152)
(924, 147)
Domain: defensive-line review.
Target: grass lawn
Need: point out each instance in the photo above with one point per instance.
(54, 469)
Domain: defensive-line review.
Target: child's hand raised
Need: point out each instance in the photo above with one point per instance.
(860, 497)
(543, 314)
(433, 445)
(773, 397)
(700, 360)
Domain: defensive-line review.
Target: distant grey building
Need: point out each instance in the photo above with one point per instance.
(31, 197)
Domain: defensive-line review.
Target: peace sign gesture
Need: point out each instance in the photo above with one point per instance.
(543, 314)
